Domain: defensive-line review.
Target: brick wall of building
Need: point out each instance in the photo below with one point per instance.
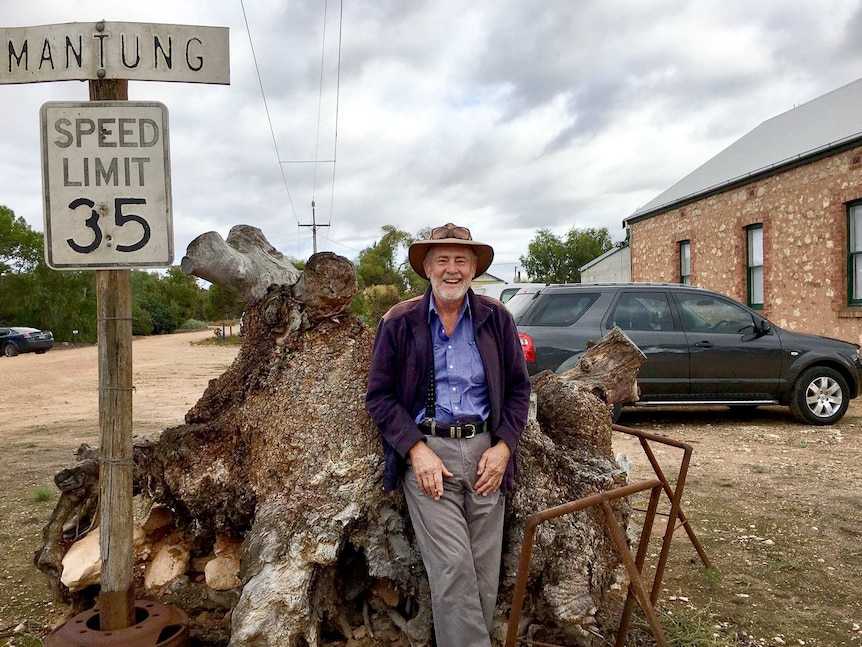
(804, 216)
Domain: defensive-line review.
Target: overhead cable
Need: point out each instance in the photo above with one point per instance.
(266, 108)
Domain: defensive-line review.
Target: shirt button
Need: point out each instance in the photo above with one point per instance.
(450, 366)
(454, 389)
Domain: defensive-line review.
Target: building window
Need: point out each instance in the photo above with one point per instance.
(854, 250)
(754, 236)
(685, 262)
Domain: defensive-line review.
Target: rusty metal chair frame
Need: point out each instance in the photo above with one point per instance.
(674, 494)
(634, 567)
(676, 512)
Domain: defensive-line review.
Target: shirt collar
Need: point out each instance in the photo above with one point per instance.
(465, 307)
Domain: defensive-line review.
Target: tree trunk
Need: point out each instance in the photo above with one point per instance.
(280, 454)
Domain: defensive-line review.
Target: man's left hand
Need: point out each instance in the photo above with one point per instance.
(492, 467)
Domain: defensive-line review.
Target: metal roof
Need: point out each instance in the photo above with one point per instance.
(808, 130)
(620, 246)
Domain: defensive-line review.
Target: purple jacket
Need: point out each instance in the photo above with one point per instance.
(401, 368)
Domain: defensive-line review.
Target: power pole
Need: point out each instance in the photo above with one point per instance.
(314, 227)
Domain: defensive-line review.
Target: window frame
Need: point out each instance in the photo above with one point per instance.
(684, 278)
(575, 303)
(853, 208)
(750, 267)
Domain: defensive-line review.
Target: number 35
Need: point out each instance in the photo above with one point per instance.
(120, 219)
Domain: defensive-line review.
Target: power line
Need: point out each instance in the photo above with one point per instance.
(266, 108)
(319, 102)
(314, 225)
(337, 98)
(281, 163)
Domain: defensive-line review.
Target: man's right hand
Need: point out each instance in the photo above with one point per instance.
(429, 469)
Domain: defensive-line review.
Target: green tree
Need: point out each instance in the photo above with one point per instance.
(20, 247)
(373, 302)
(383, 265)
(222, 304)
(183, 291)
(142, 320)
(32, 294)
(168, 300)
(378, 264)
(550, 259)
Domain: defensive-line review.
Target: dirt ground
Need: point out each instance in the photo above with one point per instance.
(48, 407)
(775, 503)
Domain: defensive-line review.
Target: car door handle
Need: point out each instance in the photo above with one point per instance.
(704, 344)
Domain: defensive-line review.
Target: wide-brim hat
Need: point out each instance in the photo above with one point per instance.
(450, 234)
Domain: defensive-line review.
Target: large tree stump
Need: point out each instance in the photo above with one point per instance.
(280, 454)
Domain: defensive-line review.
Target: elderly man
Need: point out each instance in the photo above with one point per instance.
(449, 392)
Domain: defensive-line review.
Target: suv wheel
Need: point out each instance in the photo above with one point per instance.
(820, 396)
(9, 350)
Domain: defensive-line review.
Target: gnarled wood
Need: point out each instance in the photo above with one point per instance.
(280, 453)
(609, 368)
(245, 263)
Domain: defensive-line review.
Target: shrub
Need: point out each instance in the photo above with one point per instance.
(194, 324)
(142, 321)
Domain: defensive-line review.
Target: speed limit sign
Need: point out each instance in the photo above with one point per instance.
(106, 185)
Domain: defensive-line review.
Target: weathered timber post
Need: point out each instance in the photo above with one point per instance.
(110, 227)
(114, 320)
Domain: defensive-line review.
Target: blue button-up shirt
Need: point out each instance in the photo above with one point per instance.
(459, 375)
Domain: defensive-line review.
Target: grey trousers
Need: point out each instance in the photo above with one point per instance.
(460, 538)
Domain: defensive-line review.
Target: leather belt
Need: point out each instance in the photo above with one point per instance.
(461, 430)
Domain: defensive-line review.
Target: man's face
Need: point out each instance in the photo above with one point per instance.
(450, 268)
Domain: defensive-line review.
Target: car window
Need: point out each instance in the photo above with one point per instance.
(518, 303)
(704, 313)
(4, 332)
(557, 309)
(642, 311)
(508, 293)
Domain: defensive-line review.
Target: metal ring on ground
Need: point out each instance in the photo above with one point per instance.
(156, 625)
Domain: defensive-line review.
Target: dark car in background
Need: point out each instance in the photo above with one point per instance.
(504, 291)
(18, 339)
(702, 347)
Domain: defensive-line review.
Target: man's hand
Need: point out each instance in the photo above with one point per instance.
(492, 467)
(429, 470)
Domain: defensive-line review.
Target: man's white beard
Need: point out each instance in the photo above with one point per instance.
(445, 292)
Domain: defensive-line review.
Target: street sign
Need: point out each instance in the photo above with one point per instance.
(115, 50)
(106, 185)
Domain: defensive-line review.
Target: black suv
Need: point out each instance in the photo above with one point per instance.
(702, 347)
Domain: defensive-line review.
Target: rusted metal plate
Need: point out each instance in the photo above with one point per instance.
(156, 625)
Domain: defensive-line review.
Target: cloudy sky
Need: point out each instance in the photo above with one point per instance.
(503, 115)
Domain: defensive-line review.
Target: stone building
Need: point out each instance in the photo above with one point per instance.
(774, 220)
(615, 265)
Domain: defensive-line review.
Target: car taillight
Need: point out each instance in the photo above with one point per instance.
(26, 335)
(528, 347)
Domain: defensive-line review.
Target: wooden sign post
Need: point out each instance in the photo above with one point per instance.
(109, 210)
(114, 325)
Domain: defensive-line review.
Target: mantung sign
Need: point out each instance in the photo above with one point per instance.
(106, 185)
(114, 50)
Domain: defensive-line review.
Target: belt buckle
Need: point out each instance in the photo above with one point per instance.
(472, 430)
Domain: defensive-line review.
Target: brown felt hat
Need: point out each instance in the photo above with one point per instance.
(450, 234)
